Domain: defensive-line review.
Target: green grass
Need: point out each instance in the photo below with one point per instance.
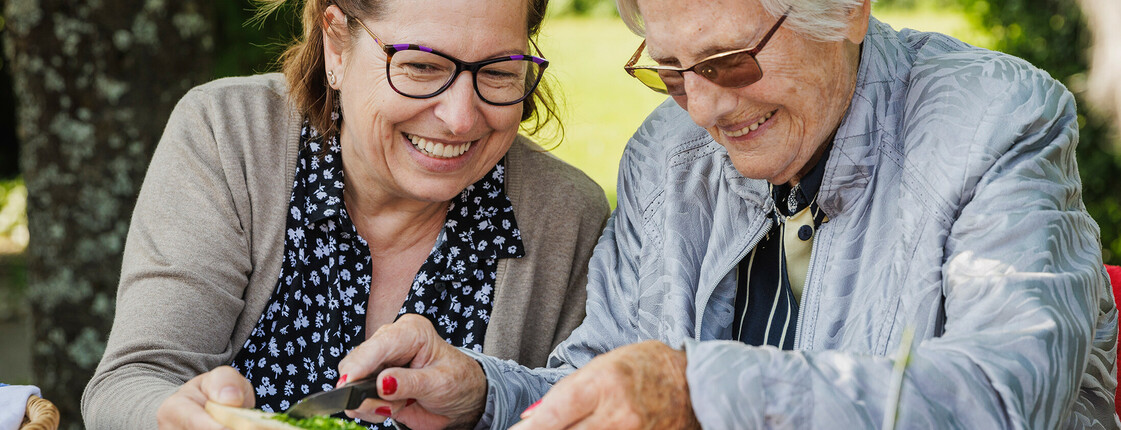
(603, 105)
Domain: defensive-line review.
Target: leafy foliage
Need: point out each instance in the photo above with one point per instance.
(245, 46)
(1052, 35)
(319, 423)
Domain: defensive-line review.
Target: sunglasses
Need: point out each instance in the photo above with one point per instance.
(732, 69)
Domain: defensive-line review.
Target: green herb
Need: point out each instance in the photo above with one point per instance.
(319, 423)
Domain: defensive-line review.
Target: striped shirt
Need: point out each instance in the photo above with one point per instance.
(770, 278)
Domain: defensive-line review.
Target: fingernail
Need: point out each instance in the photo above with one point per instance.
(389, 385)
(229, 396)
(342, 380)
(384, 411)
(526, 412)
(410, 402)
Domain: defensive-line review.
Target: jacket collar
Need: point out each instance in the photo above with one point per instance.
(871, 123)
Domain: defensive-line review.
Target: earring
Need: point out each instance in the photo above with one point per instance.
(331, 78)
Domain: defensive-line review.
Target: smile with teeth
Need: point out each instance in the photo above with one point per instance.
(436, 149)
(749, 128)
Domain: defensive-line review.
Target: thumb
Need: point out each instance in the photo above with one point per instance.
(226, 386)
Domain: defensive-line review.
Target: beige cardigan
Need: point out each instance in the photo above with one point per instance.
(204, 249)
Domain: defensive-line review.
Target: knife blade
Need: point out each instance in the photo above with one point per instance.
(349, 396)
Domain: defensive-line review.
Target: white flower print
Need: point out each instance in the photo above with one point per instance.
(317, 312)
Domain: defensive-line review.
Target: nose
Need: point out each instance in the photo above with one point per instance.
(458, 106)
(707, 102)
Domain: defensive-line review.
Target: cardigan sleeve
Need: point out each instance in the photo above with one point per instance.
(186, 265)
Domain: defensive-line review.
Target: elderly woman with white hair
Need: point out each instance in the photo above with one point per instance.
(832, 224)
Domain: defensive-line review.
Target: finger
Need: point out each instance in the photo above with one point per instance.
(454, 383)
(181, 411)
(375, 410)
(391, 345)
(226, 386)
(568, 403)
(184, 409)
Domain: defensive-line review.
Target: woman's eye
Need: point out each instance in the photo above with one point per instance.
(423, 68)
(500, 74)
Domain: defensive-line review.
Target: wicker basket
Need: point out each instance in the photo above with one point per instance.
(41, 415)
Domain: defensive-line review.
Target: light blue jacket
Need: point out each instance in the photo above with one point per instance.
(955, 209)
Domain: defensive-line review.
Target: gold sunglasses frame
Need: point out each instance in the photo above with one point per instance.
(703, 72)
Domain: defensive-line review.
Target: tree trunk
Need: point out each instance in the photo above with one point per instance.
(96, 81)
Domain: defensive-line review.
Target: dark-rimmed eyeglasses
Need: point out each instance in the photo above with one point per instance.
(732, 69)
(421, 72)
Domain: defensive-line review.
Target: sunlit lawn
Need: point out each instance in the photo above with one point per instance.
(604, 105)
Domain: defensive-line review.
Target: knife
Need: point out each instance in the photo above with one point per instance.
(349, 396)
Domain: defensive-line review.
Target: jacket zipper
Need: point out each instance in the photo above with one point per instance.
(758, 236)
(806, 292)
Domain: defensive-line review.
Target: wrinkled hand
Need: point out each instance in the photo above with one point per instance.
(184, 409)
(638, 386)
(426, 384)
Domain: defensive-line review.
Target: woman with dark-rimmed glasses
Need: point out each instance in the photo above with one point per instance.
(287, 217)
(832, 224)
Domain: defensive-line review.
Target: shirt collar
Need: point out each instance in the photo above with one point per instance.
(807, 187)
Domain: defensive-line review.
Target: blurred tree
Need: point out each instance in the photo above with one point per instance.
(95, 82)
(1052, 34)
(9, 145)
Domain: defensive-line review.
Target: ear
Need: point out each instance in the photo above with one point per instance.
(858, 22)
(334, 42)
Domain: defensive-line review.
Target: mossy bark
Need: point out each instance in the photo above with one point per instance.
(95, 82)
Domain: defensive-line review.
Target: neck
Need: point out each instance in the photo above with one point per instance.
(392, 225)
(818, 153)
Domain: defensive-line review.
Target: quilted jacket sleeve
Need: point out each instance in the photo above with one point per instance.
(612, 284)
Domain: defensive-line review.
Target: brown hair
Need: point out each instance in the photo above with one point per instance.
(302, 63)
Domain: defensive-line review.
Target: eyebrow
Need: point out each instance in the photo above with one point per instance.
(508, 52)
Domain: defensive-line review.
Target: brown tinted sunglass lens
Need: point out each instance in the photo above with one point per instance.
(732, 71)
(651, 79)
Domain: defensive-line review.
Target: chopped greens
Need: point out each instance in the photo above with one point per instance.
(319, 423)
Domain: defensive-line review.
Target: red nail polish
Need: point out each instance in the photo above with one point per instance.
(384, 411)
(342, 380)
(389, 385)
(530, 408)
(410, 402)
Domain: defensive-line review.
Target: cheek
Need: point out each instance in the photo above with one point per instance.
(503, 120)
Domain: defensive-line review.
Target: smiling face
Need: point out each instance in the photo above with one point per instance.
(425, 150)
(776, 128)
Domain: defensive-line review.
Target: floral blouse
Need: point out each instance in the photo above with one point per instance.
(318, 311)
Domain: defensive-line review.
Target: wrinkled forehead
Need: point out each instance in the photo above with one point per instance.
(681, 32)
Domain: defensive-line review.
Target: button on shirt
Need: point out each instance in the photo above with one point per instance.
(771, 277)
(318, 311)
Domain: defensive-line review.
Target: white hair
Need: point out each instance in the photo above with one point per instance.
(823, 20)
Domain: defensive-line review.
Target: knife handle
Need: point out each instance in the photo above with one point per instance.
(362, 390)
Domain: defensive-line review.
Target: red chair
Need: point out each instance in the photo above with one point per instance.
(1115, 281)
